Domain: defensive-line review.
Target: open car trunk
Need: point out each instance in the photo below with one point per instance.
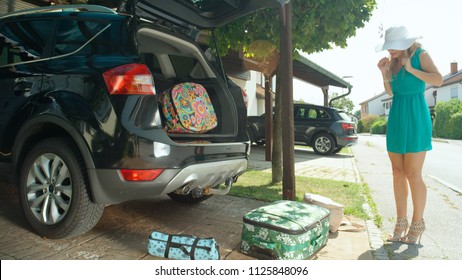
(163, 31)
(173, 61)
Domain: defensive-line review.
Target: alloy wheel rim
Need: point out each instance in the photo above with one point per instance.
(323, 144)
(49, 189)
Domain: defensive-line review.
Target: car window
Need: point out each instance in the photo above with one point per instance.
(152, 62)
(24, 41)
(74, 34)
(344, 116)
(183, 65)
(299, 112)
(312, 114)
(322, 114)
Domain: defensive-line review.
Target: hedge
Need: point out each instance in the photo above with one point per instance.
(364, 124)
(444, 112)
(379, 126)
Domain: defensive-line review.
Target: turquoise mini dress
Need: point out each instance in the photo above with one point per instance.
(409, 127)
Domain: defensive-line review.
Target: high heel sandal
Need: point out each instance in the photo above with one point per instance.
(415, 232)
(400, 228)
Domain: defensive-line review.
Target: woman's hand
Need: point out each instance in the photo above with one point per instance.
(384, 65)
(407, 64)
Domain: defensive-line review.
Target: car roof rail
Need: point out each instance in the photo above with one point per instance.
(61, 8)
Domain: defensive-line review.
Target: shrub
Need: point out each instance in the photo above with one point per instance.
(379, 126)
(455, 126)
(443, 113)
(360, 126)
(366, 122)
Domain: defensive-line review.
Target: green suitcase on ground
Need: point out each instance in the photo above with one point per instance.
(285, 230)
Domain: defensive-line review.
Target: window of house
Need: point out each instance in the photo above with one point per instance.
(454, 92)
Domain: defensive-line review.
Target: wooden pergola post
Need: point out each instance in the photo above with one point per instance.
(288, 163)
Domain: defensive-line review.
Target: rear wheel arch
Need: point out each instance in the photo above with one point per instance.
(43, 127)
(314, 134)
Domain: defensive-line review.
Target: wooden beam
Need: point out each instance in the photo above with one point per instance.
(288, 163)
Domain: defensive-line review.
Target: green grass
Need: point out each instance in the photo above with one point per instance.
(257, 185)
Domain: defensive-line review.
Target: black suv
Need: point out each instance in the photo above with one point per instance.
(325, 129)
(80, 122)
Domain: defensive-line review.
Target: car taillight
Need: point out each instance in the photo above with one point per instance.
(140, 174)
(347, 126)
(129, 79)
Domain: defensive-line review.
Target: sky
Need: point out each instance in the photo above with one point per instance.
(437, 21)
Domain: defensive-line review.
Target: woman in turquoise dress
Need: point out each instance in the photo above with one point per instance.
(409, 132)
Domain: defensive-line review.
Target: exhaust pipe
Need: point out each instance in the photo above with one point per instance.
(185, 190)
(197, 192)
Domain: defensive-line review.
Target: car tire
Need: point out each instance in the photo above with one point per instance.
(338, 149)
(54, 190)
(251, 135)
(188, 198)
(323, 144)
(260, 143)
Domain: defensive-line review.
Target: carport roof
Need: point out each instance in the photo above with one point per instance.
(303, 69)
(308, 71)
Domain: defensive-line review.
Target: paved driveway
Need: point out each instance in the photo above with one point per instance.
(123, 230)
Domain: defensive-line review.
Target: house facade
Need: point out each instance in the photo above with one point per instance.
(253, 85)
(377, 105)
(450, 89)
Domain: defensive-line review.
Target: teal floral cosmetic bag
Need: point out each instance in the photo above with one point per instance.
(182, 247)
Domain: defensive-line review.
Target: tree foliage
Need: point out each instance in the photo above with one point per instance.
(316, 25)
(343, 103)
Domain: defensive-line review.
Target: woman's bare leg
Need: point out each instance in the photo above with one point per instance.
(413, 164)
(400, 186)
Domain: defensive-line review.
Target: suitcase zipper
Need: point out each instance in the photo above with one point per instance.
(285, 230)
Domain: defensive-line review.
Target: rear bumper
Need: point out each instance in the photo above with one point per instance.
(347, 140)
(110, 188)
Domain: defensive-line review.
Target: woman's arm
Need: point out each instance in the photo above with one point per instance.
(429, 73)
(384, 65)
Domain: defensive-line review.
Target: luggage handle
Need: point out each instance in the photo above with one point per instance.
(182, 247)
(263, 253)
(314, 242)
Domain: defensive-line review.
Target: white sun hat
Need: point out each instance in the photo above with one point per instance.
(397, 38)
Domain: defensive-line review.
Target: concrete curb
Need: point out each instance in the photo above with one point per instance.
(374, 233)
(376, 241)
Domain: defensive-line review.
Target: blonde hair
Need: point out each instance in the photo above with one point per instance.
(395, 61)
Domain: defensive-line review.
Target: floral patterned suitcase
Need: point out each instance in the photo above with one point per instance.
(187, 109)
(285, 230)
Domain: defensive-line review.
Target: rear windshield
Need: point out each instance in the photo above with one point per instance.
(344, 116)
